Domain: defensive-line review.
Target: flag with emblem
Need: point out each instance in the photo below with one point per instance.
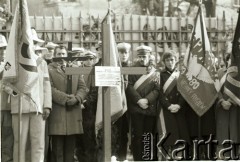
(117, 94)
(232, 82)
(198, 82)
(21, 66)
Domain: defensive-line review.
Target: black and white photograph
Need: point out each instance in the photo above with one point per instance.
(119, 80)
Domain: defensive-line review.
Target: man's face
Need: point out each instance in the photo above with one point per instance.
(50, 53)
(124, 55)
(170, 62)
(143, 60)
(61, 52)
(99, 52)
(2, 53)
(89, 62)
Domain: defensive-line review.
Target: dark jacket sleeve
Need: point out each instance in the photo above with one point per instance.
(91, 98)
(82, 89)
(153, 95)
(181, 101)
(58, 96)
(135, 96)
(163, 101)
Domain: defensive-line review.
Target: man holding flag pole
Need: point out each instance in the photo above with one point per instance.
(227, 110)
(198, 82)
(28, 82)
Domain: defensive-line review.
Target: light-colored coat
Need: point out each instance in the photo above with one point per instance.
(3, 95)
(4, 99)
(45, 93)
(65, 120)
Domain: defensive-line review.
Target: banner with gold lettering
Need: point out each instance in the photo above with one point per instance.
(198, 82)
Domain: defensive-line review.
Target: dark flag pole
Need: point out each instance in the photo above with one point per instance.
(231, 85)
(204, 50)
(19, 96)
(69, 77)
(235, 60)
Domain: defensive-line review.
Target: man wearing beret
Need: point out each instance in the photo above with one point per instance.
(142, 94)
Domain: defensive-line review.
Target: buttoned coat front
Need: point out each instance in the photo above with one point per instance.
(150, 92)
(175, 123)
(65, 120)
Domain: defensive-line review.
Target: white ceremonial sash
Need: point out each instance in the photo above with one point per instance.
(143, 78)
(223, 79)
(173, 77)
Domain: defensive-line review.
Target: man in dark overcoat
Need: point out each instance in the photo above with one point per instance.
(227, 114)
(172, 114)
(142, 95)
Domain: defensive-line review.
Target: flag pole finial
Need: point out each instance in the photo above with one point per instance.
(109, 4)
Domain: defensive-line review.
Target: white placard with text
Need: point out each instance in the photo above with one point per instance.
(107, 76)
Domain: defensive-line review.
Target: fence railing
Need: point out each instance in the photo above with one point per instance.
(161, 33)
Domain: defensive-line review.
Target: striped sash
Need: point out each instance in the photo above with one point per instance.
(167, 88)
(144, 80)
(171, 82)
(222, 80)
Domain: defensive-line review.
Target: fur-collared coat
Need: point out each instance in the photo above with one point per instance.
(65, 120)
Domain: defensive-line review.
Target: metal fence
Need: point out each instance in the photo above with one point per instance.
(161, 33)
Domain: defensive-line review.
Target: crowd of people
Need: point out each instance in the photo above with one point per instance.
(63, 130)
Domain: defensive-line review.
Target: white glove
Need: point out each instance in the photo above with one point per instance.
(143, 103)
(226, 105)
(174, 108)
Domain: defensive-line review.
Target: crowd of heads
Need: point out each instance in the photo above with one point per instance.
(144, 54)
(50, 50)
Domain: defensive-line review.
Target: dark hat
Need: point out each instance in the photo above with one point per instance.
(143, 50)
